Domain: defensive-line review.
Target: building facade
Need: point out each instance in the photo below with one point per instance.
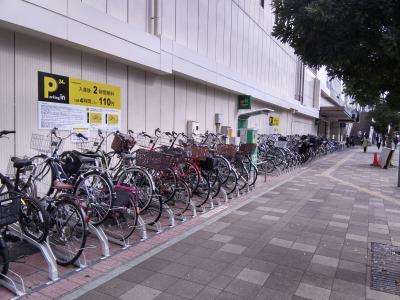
(174, 61)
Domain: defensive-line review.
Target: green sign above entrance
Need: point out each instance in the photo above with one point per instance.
(244, 102)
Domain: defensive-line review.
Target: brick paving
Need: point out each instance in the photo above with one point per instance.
(308, 238)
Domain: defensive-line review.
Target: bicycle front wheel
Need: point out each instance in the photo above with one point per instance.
(67, 235)
(34, 219)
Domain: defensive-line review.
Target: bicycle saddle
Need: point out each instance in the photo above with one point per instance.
(21, 162)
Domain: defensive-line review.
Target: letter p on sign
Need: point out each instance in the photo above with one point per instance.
(50, 85)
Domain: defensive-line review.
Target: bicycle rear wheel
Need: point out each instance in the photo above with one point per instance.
(201, 195)
(4, 257)
(181, 200)
(67, 236)
(153, 211)
(34, 219)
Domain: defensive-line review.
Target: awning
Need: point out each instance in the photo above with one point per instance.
(247, 114)
(338, 113)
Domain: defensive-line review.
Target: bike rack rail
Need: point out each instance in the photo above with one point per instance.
(103, 239)
(18, 288)
(44, 249)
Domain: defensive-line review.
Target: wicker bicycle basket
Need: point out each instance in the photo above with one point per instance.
(226, 150)
(9, 208)
(122, 142)
(153, 160)
(197, 152)
(247, 149)
(179, 155)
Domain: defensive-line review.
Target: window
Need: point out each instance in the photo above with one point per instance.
(262, 3)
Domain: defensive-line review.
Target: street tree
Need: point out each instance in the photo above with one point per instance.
(384, 117)
(357, 41)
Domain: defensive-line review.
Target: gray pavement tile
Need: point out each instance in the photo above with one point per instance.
(253, 276)
(271, 294)
(351, 276)
(165, 296)
(312, 292)
(284, 279)
(335, 295)
(270, 218)
(185, 289)
(228, 296)
(232, 270)
(200, 252)
(154, 264)
(216, 226)
(304, 247)
(325, 260)
(208, 293)
(192, 259)
(231, 248)
(94, 295)
(224, 256)
(176, 270)
(136, 275)
(281, 243)
(160, 281)
(243, 288)
(352, 266)
(262, 266)
(115, 287)
(318, 280)
(221, 238)
(140, 292)
(349, 288)
(220, 281)
(322, 269)
(170, 255)
(210, 244)
(200, 276)
(212, 265)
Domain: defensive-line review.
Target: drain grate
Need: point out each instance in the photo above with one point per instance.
(385, 268)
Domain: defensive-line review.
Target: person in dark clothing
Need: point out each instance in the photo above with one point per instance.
(347, 142)
(378, 141)
(352, 141)
(395, 141)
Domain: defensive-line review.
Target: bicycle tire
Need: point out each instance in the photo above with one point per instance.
(4, 258)
(202, 194)
(62, 233)
(34, 219)
(181, 200)
(153, 212)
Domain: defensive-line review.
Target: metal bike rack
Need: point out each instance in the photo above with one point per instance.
(142, 226)
(18, 288)
(193, 209)
(170, 213)
(103, 239)
(43, 247)
(156, 227)
(120, 242)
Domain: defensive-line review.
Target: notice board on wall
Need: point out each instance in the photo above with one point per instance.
(68, 103)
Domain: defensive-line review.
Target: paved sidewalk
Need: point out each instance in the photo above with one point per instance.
(306, 239)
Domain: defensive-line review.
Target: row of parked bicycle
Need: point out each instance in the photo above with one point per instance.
(55, 195)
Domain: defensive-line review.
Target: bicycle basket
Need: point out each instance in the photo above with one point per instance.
(165, 140)
(178, 154)
(9, 208)
(43, 143)
(209, 164)
(247, 149)
(122, 142)
(226, 150)
(153, 160)
(144, 141)
(91, 145)
(197, 152)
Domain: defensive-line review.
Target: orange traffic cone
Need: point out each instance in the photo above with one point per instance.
(375, 162)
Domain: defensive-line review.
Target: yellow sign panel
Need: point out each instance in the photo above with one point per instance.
(112, 119)
(95, 118)
(94, 94)
(273, 121)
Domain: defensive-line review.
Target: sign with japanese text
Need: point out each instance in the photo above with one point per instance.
(67, 103)
(273, 121)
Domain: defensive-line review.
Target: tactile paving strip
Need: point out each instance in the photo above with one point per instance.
(385, 268)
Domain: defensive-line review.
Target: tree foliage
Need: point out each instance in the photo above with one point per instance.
(357, 40)
(382, 116)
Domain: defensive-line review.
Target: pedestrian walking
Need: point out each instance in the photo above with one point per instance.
(347, 142)
(365, 143)
(395, 141)
(378, 142)
(352, 141)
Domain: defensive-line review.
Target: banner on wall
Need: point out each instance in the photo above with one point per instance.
(67, 103)
(273, 121)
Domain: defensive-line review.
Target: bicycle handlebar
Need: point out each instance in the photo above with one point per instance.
(5, 132)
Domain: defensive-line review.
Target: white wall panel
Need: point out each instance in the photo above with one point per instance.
(97, 4)
(181, 19)
(193, 24)
(117, 74)
(66, 61)
(234, 37)
(203, 27)
(220, 31)
(212, 29)
(118, 9)
(180, 105)
(138, 14)
(191, 101)
(136, 100)
(240, 42)
(94, 68)
(210, 109)
(201, 106)
(167, 102)
(6, 96)
(31, 55)
(153, 101)
(168, 18)
(227, 32)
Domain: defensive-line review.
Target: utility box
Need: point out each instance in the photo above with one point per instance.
(227, 131)
(192, 127)
(248, 135)
(219, 119)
